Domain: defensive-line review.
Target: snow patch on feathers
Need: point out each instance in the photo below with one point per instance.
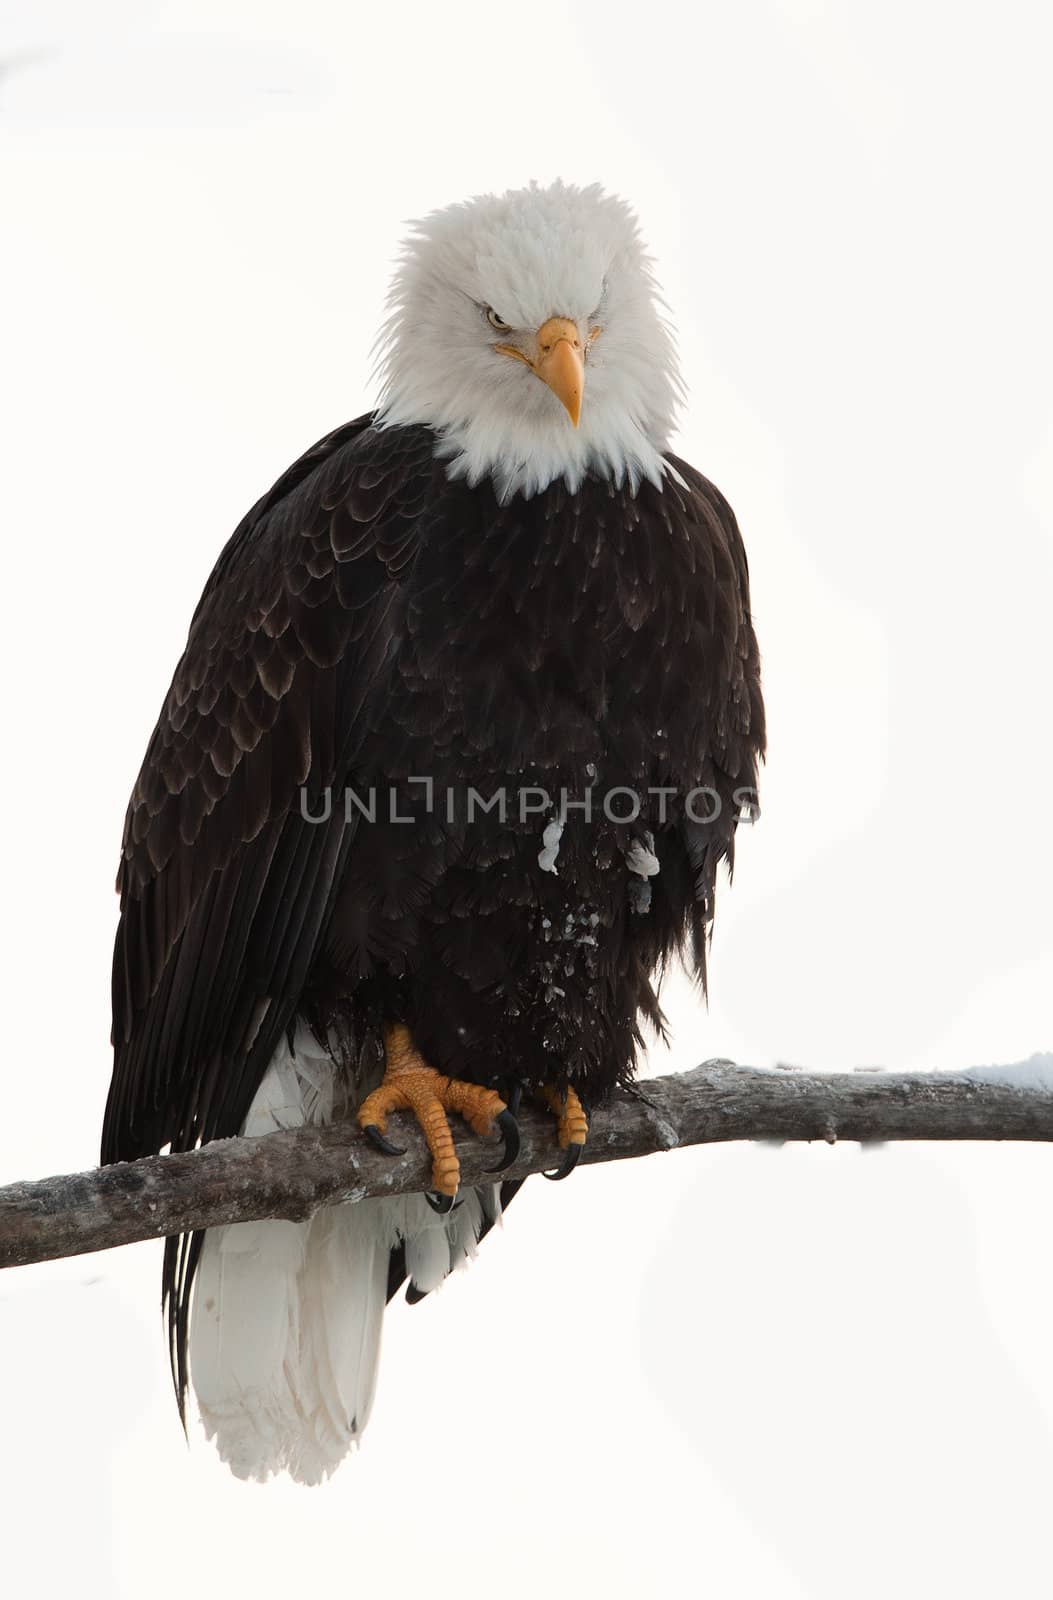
(640, 857)
(286, 1319)
(643, 865)
(531, 254)
(548, 855)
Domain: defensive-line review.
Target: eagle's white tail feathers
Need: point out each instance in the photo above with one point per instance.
(286, 1319)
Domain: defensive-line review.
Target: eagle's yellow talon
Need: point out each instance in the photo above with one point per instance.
(409, 1084)
(573, 1128)
(573, 1123)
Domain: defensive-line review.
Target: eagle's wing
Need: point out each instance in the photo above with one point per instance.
(225, 888)
(729, 693)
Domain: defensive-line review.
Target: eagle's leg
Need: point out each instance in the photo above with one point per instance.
(573, 1128)
(410, 1084)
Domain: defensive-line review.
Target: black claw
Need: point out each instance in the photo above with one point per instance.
(442, 1203)
(510, 1129)
(375, 1137)
(567, 1165)
(515, 1099)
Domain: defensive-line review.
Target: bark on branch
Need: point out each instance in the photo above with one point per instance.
(291, 1174)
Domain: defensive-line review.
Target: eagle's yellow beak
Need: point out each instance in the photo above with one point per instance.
(558, 361)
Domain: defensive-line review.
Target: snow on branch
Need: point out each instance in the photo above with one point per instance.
(291, 1174)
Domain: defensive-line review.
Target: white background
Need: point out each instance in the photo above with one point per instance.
(739, 1371)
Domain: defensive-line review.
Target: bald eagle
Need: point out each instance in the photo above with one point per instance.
(467, 716)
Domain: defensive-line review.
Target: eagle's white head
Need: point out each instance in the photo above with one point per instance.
(526, 330)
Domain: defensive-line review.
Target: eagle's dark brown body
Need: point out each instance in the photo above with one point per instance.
(372, 623)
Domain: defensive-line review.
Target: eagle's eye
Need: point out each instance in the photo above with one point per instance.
(496, 322)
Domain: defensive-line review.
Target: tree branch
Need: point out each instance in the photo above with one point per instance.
(291, 1174)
